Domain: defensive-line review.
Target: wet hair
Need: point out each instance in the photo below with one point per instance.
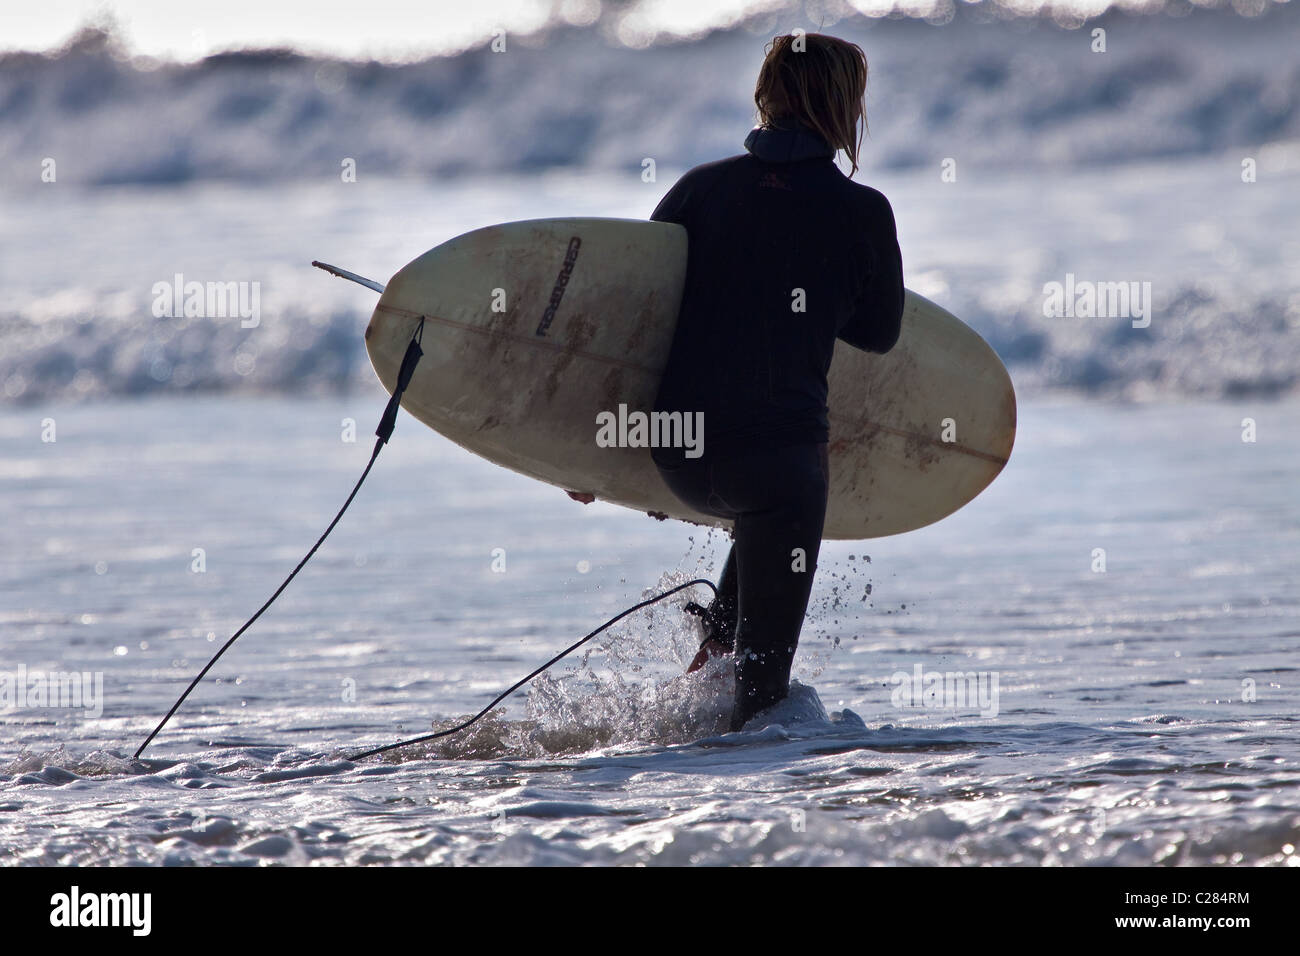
(819, 81)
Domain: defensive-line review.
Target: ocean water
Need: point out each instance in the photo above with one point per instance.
(980, 84)
(79, 268)
(1014, 156)
(1143, 714)
(1121, 601)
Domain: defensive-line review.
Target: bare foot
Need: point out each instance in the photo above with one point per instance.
(709, 649)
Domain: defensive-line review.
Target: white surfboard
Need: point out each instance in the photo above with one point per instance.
(534, 328)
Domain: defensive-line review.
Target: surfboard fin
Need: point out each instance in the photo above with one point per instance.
(350, 276)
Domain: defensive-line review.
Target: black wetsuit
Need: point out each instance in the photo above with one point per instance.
(786, 254)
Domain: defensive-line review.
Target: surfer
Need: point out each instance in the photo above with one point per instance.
(786, 254)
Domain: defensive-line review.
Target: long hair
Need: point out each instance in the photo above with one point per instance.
(820, 81)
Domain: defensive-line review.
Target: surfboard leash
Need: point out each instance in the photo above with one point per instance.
(520, 683)
(383, 433)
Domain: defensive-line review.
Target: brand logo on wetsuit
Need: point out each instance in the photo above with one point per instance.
(561, 283)
(773, 181)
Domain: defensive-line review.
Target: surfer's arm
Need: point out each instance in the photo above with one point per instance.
(878, 311)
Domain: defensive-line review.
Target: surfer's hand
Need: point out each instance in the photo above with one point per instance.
(585, 497)
(709, 649)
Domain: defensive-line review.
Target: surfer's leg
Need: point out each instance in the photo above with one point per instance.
(723, 607)
(781, 502)
(718, 620)
(692, 483)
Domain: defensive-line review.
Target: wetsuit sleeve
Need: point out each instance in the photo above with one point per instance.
(878, 311)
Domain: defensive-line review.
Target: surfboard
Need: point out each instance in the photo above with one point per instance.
(533, 329)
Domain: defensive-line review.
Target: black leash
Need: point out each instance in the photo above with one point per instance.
(384, 432)
(520, 683)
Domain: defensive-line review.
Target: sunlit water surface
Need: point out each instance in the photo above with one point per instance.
(1144, 713)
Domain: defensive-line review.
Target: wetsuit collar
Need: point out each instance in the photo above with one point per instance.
(787, 144)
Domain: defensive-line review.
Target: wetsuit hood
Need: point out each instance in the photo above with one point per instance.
(787, 144)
